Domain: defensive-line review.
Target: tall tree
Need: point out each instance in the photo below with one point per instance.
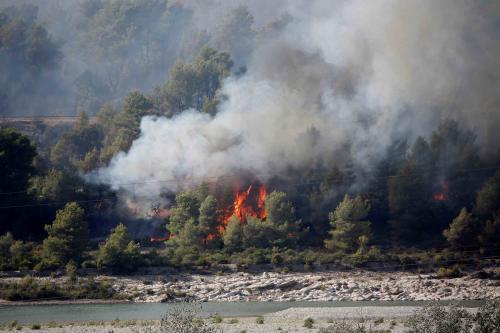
(463, 231)
(350, 229)
(17, 155)
(27, 53)
(119, 253)
(67, 236)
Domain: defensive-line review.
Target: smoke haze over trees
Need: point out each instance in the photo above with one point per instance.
(369, 123)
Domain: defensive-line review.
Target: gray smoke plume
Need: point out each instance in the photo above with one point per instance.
(354, 74)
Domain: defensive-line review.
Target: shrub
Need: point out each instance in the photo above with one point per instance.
(183, 319)
(217, 319)
(308, 323)
(35, 327)
(344, 327)
(259, 320)
(447, 273)
(233, 321)
(29, 289)
(71, 272)
(488, 318)
(438, 319)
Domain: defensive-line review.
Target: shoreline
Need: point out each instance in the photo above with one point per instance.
(382, 319)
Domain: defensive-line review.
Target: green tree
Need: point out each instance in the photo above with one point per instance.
(72, 148)
(27, 54)
(67, 236)
(15, 254)
(409, 201)
(119, 253)
(56, 185)
(194, 85)
(488, 197)
(186, 210)
(463, 230)
(349, 227)
(233, 234)
(236, 36)
(262, 234)
(16, 160)
(490, 235)
(122, 128)
(6, 241)
(17, 156)
(281, 216)
(208, 215)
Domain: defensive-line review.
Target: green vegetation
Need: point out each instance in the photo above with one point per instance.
(348, 225)
(217, 319)
(308, 323)
(32, 289)
(119, 253)
(433, 319)
(259, 320)
(67, 237)
(185, 319)
(438, 194)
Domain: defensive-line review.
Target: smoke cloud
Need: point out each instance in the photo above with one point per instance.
(342, 76)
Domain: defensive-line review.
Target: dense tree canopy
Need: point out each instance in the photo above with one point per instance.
(67, 236)
(119, 253)
(27, 52)
(349, 224)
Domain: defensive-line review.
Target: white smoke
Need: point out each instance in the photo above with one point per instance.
(343, 73)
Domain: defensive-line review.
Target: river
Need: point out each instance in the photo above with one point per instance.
(148, 311)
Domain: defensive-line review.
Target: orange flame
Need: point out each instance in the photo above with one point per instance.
(242, 206)
(442, 196)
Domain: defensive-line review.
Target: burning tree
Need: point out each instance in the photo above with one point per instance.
(253, 219)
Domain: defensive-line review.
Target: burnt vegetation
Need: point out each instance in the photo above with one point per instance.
(423, 203)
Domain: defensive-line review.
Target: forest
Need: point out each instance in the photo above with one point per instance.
(132, 70)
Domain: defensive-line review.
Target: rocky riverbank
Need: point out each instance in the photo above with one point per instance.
(317, 286)
(324, 286)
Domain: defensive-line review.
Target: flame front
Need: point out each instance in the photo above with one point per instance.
(242, 206)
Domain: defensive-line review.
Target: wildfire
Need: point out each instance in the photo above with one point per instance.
(158, 239)
(243, 206)
(245, 203)
(442, 196)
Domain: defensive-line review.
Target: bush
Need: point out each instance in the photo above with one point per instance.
(438, 319)
(344, 327)
(35, 327)
(308, 323)
(488, 318)
(71, 272)
(183, 319)
(217, 319)
(259, 320)
(120, 252)
(448, 273)
(30, 289)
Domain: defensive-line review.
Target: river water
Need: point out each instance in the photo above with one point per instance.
(145, 311)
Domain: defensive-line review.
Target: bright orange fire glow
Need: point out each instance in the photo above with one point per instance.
(245, 203)
(243, 206)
